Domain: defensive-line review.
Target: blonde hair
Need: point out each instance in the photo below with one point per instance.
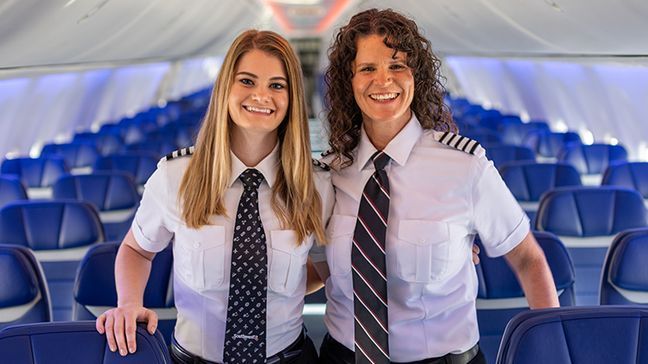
(295, 200)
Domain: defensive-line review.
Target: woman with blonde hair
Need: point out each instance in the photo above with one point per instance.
(244, 208)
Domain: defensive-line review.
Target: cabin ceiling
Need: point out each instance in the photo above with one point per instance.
(36, 33)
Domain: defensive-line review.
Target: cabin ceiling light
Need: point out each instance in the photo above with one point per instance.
(297, 2)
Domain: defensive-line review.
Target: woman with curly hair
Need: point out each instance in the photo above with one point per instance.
(410, 197)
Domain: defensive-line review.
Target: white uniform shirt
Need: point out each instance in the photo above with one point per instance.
(440, 198)
(202, 257)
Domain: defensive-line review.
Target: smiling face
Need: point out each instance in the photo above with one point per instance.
(383, 84)
(258, 99)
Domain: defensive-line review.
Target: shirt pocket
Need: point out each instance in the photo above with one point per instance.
(287, 263)
(200, 256)
(424, 250)
(339, 232)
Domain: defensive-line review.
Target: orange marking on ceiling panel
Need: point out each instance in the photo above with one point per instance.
(333, 12)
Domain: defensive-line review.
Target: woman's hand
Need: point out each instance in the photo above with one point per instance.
(119, 325)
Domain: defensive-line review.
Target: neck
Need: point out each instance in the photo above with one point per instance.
(252, 148)
(381, 133)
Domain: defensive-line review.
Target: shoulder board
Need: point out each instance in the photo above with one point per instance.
(179, 153)
(326, 152)
(459, 142)
(321, 165)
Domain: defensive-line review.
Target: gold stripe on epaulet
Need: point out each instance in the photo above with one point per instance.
(459, 142)
(179, 153)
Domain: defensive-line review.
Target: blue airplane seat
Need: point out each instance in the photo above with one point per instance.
(630, 174)
(625, 275)
(500, 296)
(529, 180)
(95, 292)
(37, 174)
(504, 153)
(514, 133)
(24, 297)
(59, 232)
(591, 160)
(11, 189)
(113, 193)
(586, 220)
(106, 143)
(76, 155)
(184, 133)
(577, 335)
(548, 144)
(75, 342)
(139, 164)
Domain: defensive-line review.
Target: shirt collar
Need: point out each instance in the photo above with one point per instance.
(267, 167)
(399, 148)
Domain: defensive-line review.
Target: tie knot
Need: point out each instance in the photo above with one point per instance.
(380, 160)
(251, 178)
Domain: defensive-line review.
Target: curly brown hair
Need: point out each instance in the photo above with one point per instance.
(401, 34)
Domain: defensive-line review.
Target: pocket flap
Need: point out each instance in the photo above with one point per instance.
(340, 225)
(286, 241)
(204, 237)
(422, 232)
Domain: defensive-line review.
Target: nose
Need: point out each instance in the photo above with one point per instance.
(261, 97)
(383, 77)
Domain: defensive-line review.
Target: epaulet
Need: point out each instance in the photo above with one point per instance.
(321, 165)
(326, 152)
(459, 142)
(179, 153)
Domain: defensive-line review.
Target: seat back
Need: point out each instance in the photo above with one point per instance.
(505, 153)
(139, 164)
(548, 144)
(76, 155)
(59, 232)
(95, 290)
(630, 175)
(625, 276)
(586, 219)
(106, 143)
(36, 172)
(75, 342)
(577, 335)
(594, 158)
(529, 180)
(11, 189)
(113, 193)
(24, 297)
(500, 296)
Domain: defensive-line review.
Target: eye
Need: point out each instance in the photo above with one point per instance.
(398, 66)
(367, 69)
(246, 81)
(277, 86)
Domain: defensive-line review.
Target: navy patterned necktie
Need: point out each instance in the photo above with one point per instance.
(369, 268)
(245, 331)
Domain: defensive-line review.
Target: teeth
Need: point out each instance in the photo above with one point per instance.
(257, 109)
(389, 96)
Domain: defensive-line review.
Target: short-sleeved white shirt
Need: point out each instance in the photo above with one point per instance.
(202, 257)
(440, 197)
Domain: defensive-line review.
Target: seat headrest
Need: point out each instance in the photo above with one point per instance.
(601, 334)
(590, 211)
(594, 158)
(631, 175)
(20, 281)
(47, 225)
(36, 172)
(107, 191)
(11, 189)
(95, 283)
(139, 164)
(75, 154)
(75, 341)
(529, 180)
(627, 263)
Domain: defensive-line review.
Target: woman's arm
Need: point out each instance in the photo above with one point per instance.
(132, 270)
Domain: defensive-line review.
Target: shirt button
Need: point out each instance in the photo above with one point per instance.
(197, 245)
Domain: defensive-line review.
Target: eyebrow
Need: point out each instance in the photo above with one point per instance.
(249, 74)
(393, 60)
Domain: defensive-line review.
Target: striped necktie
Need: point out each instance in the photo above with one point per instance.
(245, 331)
(369, 268)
